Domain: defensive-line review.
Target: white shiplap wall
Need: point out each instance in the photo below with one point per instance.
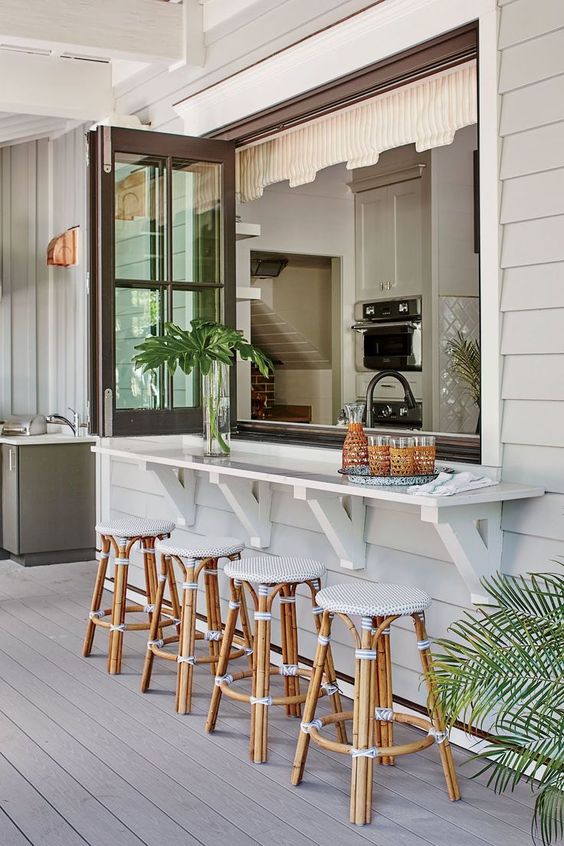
(42, 310)
(531, 84)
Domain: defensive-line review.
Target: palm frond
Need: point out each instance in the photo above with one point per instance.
(465, 363)
(503, 671)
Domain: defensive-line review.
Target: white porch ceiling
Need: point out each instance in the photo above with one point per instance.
(17, 128)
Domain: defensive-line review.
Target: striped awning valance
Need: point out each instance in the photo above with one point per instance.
(425, 113)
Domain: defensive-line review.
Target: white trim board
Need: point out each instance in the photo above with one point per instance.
(365, 38)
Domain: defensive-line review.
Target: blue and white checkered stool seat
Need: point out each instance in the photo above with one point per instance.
(135, 527)
(373, 599)
(273, 571)
(201, 548)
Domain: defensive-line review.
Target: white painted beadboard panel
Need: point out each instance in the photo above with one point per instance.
(527, 19)
(533, 151)
(533, 241)
(535, 422)
(533, 287)
(534, 105)
(540, 517)
(532, 61)
(533, 333)
(534, 196)
(534, 377)
(534, 465)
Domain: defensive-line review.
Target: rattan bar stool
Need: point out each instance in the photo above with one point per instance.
(120, 536)
(373, 717)
(273, 577)
(193, 559)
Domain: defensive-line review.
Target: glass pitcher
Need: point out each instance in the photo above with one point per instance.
(355, 446)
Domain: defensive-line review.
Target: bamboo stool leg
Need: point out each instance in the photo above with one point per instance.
(302, 748)
(246, 628)
(117, 626)
(289, 648)
(213, 610)
(363, 729)
(261, 700)
(331, 687)
(187, 641)
(148, 547)
(230, 624)
(96, 597)
(437, 718)
(384, 729)
(173, 593)
(154, 629)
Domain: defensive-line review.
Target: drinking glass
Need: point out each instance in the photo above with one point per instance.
(402, 456)
(379, 455)
(425, 454)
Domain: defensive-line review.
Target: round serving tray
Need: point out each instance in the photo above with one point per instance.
(361, 476)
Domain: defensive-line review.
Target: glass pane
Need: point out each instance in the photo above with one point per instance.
(186, 305)
(196, 219)
(139, 218)
(138, 314)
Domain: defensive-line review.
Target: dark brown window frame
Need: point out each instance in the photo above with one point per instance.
(440, 53)
(102, 282)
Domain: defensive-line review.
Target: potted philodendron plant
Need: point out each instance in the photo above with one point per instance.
(504, 673)
(210, 349)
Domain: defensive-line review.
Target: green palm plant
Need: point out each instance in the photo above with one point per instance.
(199, 348)
(465, 363)
(504, 672)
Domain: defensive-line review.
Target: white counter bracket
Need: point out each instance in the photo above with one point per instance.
(473, 539)
(253, 510)
(342, 520)
(179, 489)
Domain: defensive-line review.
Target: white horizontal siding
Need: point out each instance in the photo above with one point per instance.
(533, 332)
(532, 216)
(533, 242)
(535, 105)
(534, 377)
(532, 61)
(527, 19)
(533, 151)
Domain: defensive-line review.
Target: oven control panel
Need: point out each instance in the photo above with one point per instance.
(392, 309)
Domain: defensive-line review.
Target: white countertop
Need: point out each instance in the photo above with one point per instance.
(299, 473)
(42, 440)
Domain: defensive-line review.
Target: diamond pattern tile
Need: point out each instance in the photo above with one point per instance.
(457, 410)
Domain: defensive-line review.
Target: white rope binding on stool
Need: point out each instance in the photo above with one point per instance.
(366, 624)
(210, 572)
(234, 605)
(323, 639)
(213, 635)
(288, 669)
(148, 609)
(266, 700)
(384, 714)
(189, 585)
(186, 659)
(423, 644)
(307, 727)
(330, 688)
(439, 736)
(263, 615)
(248, 650)
(226, 679)
(161, 577)
(123, 561)
(158, 643)
(317, 609)
(96, 614)
(371, 752)
(365, 654)
(121, 628)
(287, 600)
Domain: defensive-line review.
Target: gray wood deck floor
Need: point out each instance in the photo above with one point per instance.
(88, 759)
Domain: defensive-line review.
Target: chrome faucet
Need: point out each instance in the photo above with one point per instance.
(58, 418)
(387, 374)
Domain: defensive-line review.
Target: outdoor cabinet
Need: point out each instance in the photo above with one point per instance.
(48, 502)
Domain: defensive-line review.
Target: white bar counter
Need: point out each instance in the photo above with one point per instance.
(469, 524)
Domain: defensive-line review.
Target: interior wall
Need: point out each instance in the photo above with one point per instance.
(311, 220)
(42, 309)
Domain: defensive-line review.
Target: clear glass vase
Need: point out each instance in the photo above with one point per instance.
(355, 445)
(215, 406)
